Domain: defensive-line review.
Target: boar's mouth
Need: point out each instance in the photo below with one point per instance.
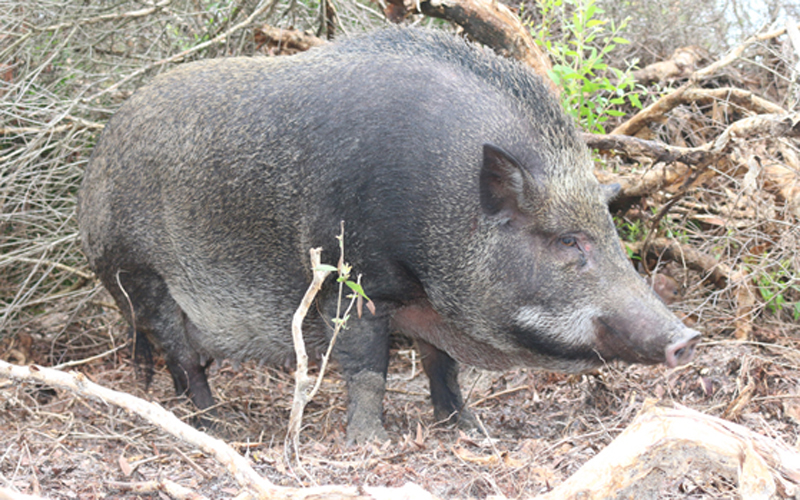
(539, 342)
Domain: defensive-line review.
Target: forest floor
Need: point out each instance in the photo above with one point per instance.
(543, 426)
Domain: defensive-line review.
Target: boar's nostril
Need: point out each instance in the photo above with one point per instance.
(681, 352)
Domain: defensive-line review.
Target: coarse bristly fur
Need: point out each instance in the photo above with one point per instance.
(468, 199)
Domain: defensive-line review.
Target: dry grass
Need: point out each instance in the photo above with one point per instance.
(66, 66)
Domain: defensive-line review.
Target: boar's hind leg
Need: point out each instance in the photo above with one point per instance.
(442, 372)
(157, 318)
(363, 353)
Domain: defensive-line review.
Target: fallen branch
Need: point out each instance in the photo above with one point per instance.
(669, 101)
(656, 110)
(645, 151)
(678, 161)
(742, 98)
(236, 465)
(663, 248)
(76, 382)
(493, 24)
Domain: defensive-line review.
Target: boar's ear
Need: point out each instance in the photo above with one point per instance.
(610, 191)
(502, 182)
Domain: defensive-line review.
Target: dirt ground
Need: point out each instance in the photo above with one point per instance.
(543, 427)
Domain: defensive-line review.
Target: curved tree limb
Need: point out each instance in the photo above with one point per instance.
(493, 24)
(678, 162)
(669, 101)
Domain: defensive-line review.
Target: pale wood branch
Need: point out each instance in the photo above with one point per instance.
(669, 101)
(659, 108)
(742, 98)
(678, 161)
(236, 465)
(76, 382)
(302, 380)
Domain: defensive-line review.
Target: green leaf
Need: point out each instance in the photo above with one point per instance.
(356, 288)
(326, 268)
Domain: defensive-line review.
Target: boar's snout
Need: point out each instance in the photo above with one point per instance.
(681, 352)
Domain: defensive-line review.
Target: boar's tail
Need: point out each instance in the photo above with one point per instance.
(142, 357)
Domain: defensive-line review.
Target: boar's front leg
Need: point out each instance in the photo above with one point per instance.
(363, 352)
(442, 372)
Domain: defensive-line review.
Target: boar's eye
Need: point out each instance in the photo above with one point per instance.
(568, 241)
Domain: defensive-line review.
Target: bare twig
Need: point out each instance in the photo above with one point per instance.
(77, 125)
(56, 265)
(669, 101)
(109, 17)
(304, 391)
(79, 362)
(302, 380)
(715, 271)
(267, 6)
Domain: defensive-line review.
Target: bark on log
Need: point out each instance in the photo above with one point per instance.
(285, 41)
(493, 24)
(680, 64)
(679, 440)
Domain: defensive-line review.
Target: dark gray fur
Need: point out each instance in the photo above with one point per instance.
(460, 181)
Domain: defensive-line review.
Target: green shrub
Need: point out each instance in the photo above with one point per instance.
(577, 38)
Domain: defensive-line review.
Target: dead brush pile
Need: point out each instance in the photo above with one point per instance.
(709, 211)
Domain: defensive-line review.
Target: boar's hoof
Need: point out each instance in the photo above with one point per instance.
(681, 352)
(361, 431)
